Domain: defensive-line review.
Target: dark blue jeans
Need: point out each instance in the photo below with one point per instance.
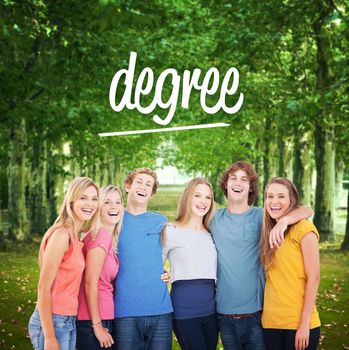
(241, 334)
(276, 339)
(86, 339)
(143, 332)
(200, 333)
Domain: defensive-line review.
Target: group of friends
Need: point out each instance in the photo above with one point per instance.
(249, 274)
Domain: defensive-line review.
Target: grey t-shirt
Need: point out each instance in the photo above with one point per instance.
(192, 254)
(240, 276)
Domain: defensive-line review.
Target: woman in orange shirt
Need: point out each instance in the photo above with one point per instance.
(52, 325)
(290, 319)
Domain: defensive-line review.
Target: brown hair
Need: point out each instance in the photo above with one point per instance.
(131, 175)
(251, 174)
(267, 253)
(184, 204)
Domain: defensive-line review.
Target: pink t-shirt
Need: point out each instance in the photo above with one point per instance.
(106, 279)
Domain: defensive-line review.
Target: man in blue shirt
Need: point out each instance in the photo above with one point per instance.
(240, 276)
(143, 310)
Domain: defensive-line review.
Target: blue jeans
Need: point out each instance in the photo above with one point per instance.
(143, 332)
(241, 334)
(65, 331)
(86, 339)
(200, 333)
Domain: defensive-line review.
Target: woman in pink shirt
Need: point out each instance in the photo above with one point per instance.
(96, 301)
(52, 325)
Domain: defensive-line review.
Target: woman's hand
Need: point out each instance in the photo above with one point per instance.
(165, 277)
(302, 337)
(103, 336)
(51, 343)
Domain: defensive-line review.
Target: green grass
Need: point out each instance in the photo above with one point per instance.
(165, 201)
(19, 276)
(18, 282)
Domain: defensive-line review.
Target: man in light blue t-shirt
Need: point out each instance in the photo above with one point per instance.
(240, 276)
(143, 309)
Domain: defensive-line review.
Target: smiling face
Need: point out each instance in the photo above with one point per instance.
(277, 200)
(141, 188)
(238, 187)
(111, 209)
(201, 200)
(86, 205)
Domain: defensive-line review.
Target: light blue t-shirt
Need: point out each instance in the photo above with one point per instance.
(139, 291)
(240, 276)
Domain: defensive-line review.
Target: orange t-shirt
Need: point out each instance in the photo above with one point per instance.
(66, 286)
(286, 281)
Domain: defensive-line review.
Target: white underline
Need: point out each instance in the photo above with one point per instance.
(177, 128)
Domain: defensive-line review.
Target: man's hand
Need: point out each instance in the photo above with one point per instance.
(277, 234)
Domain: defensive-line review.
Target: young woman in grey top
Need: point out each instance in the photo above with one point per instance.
(189, 247)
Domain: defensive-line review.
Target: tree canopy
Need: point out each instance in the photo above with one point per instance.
(57, 62)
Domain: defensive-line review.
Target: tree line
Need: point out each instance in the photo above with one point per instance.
(57, 62)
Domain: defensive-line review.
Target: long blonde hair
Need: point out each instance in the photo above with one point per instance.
(105, 191)
(267, 253)
(184, 204)
(66, 217)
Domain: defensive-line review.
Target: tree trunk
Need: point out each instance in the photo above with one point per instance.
(345, 243)
(214, 179)
(339, 180)
(302, 175)
(17, 211)
(281, 144)
(289, 149)
(324, 129)
(258, 168)
(111, 169)
(2, 240)
(54, 180)
(38, 196)
(325, 182)
(103, 175)
(266, 156)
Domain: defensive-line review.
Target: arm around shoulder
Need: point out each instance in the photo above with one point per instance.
(298, 214)
(276, 236)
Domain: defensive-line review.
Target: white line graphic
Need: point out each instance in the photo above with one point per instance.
(177, 128)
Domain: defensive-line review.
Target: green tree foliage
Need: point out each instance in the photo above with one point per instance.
(57, 61)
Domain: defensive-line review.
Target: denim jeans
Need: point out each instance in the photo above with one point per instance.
(86, 339)
(200, 333)
(285, 338)
(65, 331)
(241, 334)
(143, 332)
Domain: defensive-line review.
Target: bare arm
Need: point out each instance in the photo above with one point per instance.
(165, 277)
(94, 265)
(57, 244)
(276, 236)
(310, 251)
